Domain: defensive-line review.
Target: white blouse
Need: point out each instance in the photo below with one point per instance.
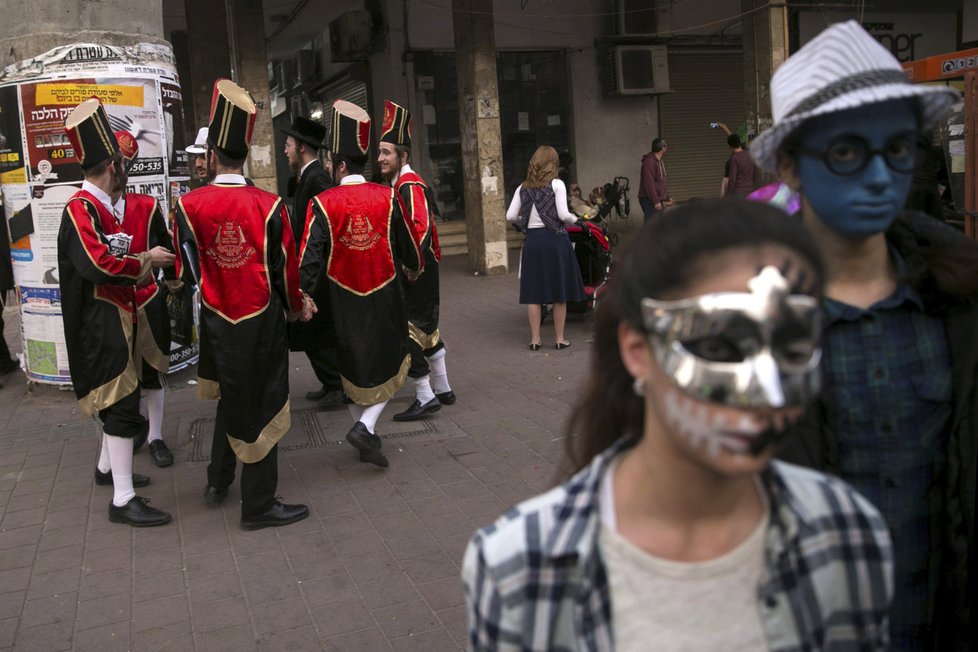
(560, 197)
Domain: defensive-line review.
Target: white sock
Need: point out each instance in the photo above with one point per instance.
(103, 456)
(120, 457)
(370, 416)
(154, 404)
(422, 389)
(355, 411)
(439, 374)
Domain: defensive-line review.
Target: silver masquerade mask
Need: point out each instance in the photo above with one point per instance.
(742, 349)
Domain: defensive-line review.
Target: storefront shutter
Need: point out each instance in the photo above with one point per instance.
(707, 87)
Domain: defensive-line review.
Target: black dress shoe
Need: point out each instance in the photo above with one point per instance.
(418, 411)
(138, 513)
(369, 445)
(103, 479)
(161, 455)
(316, 394)
(140, 438)
(276, 515)
(213, 495)
(446, 398)
(331, 399)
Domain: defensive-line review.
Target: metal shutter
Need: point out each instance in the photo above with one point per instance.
(707, 87)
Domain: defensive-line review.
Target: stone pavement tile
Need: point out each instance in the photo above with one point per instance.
(465, 489)
(8, 627)
(30, 501)
(412, 543)
(15, 579)
(210, 563)
(437, 639)
(447, 523)
(303, 638)
(418, 489)
(454, 546)
(11, 603)
(18, 537)
(100, 584)
(280, 616)
(74, 518)
(442, 594)
(52, 609)
(312, 556)
(366, 640)
(251, 543)
(389, 526)
(388, 591)
(110, 638)
(263, 563)
(55, 583)
(333, 504)
(153, 562)
(17, 557)
(161, 585)
(233, 639)
(332, 588)
(117, 557)
(208, 539)
(429, 567)
(406, 619)
(456, 622)
(358, 544)
(69, 556)
(483, 509)
(369, 567)
(212, 588)
(151, 539)
(50, 637)
(160, 612)
(39, 472)
(260, 589)
(104, 611)
(342, 618)
(177, 637)
(220, 615)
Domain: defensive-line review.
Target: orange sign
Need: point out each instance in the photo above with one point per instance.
(942, 66)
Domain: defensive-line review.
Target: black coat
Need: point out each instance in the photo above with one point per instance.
(314, 334)
(941, 268)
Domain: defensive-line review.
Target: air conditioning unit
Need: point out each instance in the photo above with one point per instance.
(636, 70)
(350, 36)
(634, 17)
(305, 68)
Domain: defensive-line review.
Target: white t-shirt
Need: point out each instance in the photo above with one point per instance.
(560, 197)
(659, 604)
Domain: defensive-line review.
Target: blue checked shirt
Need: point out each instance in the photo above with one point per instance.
(888, 373)
(534, 579)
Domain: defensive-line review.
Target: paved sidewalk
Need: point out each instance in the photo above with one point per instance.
(375, 567)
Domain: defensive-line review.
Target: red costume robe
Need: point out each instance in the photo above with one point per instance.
(97, 277)
(356, 242)
(249, 279)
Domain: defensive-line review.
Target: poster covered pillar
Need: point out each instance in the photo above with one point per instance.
(482, 155)
(765, 48)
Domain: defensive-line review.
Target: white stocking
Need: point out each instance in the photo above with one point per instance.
(422, 389)
(371, 414)
(154, 405)
(120, 457)
(103, 456)
(439, 374)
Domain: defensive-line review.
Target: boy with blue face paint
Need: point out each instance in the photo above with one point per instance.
(897, 415)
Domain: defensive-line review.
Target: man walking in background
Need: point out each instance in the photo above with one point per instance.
(653, 192)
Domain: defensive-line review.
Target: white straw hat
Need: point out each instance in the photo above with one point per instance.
(841, 68)
(200, 144)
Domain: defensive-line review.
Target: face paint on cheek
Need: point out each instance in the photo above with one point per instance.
(708, 428)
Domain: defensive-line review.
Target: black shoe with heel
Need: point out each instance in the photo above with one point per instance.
(562, 345)
(534, 347)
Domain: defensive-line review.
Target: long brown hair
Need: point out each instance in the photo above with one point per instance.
(543, 167)
(665, 256)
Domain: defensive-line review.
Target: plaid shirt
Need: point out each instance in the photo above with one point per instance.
(534, 579)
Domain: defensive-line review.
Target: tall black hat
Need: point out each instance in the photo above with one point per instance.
(351, 131)
(232, 122)
(88, 130)
(307, 131)
(397, 125)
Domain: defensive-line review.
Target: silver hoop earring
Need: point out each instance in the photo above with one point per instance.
(638, 386)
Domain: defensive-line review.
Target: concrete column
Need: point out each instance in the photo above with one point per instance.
(765, 48)
(207, 30)
(482, 156)
(29, 28)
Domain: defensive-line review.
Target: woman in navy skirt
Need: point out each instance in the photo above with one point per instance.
(548, 268)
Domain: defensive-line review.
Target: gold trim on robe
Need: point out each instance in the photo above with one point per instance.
(267, 438)
(367, 396)
(208, 390)
(119, 387)
(146, 344)
(422, 339)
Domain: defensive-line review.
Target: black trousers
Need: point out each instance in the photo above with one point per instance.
(151, 377)
(324, 365)
(259, 481)
(122, 419)
(419, 358)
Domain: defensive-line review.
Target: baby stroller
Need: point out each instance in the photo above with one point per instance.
(615, 199)
(593, 251)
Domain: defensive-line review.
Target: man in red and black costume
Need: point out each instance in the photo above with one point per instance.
(143, 220)
(356, 242)
(236, 242)
(97, 276)
(428, 372)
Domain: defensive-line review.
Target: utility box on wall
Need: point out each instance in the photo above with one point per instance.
(350, 36)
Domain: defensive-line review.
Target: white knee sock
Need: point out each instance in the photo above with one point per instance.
(120, 457)
(370, 416)
(154, 405)
(422, 389)
(103, 456)
(439, 374)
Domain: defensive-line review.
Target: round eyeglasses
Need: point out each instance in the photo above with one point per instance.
(850, 154)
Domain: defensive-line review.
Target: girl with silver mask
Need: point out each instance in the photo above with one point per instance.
(677, 530)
